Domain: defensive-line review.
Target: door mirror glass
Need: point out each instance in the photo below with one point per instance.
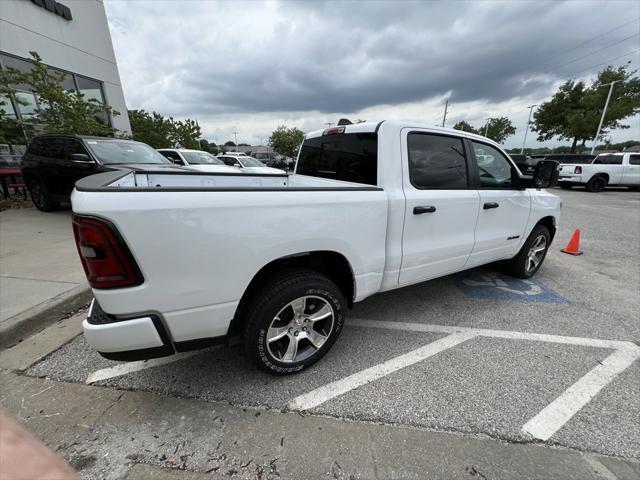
(80, 157)
(178, 161)
(546, 174)
(237, 165)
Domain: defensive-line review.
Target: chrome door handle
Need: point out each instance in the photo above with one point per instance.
(489, 205)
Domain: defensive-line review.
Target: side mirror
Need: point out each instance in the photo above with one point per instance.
(177, 161)
(237, 165)
(80, 158)
(546, 174)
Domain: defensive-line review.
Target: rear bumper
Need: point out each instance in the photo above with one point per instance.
(572, 179)
(138, 337)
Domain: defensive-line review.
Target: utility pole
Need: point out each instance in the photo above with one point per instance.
(328, 124)
(486, 127)
(604, 112)
(235, 135)
(530, 107)
(446, 107)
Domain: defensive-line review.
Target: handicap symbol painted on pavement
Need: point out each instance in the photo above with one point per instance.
(494, 285)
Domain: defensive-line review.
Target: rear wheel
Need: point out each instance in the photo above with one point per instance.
(596, 184)
(532, 254)
(293, 321)
(40, 197)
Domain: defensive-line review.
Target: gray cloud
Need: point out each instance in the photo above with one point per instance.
(212, 59)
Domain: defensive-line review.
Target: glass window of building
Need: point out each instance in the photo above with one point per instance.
(6, 107)
(27, 104)
(91, 89)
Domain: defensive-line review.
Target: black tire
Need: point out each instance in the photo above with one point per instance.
(596, 184)
(565, 186)
(634, 189)
(520, 266)
(40, 197)
(274, 299)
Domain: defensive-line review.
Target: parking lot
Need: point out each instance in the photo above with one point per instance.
(549, 360)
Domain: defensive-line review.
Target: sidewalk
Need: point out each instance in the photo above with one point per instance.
(40, 273)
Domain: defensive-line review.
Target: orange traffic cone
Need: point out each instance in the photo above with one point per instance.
(573, 247)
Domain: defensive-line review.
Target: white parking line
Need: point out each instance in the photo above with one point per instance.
(558, 412)
(331, 390)
(541, 426)
(130, 367)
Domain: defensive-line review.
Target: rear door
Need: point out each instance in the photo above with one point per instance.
(441, 205)
(632, 170)
(52, 164)
(504, 208)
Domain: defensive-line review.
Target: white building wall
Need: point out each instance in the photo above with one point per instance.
(82, 45)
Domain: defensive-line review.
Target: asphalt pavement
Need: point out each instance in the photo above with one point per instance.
(550, 362)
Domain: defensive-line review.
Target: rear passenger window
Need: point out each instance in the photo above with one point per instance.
(53, 148)
(351, 157)
(608, 160)
(634, 159)
(436, 161)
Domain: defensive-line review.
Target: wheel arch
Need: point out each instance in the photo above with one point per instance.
(549, 222)
(331, 264)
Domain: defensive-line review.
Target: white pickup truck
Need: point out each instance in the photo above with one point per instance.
(180, 260)
(613, 169)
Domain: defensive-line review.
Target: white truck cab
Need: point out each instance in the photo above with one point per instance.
(607, 169)
(371, 207)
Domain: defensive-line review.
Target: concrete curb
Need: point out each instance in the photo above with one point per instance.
(42, 315)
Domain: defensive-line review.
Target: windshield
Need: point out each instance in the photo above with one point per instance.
(201, 158)
(250, 162)
(113, 152)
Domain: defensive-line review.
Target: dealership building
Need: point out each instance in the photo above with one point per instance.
(71, 36)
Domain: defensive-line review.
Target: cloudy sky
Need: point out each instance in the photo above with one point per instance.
(250, 66)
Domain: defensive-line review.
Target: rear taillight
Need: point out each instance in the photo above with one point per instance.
(107, 261)
(578, 169)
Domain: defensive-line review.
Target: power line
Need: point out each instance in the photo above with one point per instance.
(592, 53)
(598, 36)
(606, 61)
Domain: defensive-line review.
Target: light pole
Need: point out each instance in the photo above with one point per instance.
(530, 107)
(486, 126)
(604, 112)
(328, 124)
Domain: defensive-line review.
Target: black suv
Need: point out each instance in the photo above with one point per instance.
(53, 163)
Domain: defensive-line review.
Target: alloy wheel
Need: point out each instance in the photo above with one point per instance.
(300, 329)
(536, 253)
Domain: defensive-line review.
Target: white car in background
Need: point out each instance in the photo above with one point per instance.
(197, 160)
(249, 164)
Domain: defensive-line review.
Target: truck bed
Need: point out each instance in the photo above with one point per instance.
(136, 181)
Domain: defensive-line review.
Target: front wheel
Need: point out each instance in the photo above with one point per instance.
(293, 321)
(532, 254)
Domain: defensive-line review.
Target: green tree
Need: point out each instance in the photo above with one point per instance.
(151, 128)
(498, 129)
(286, 141)
(229, 144)
(465, 127)
(160, 132)
(574, 111)
(185, 133)
(60, 110)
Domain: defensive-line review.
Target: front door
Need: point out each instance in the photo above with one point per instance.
(504, 208)
(441, 206)
(75, 168)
